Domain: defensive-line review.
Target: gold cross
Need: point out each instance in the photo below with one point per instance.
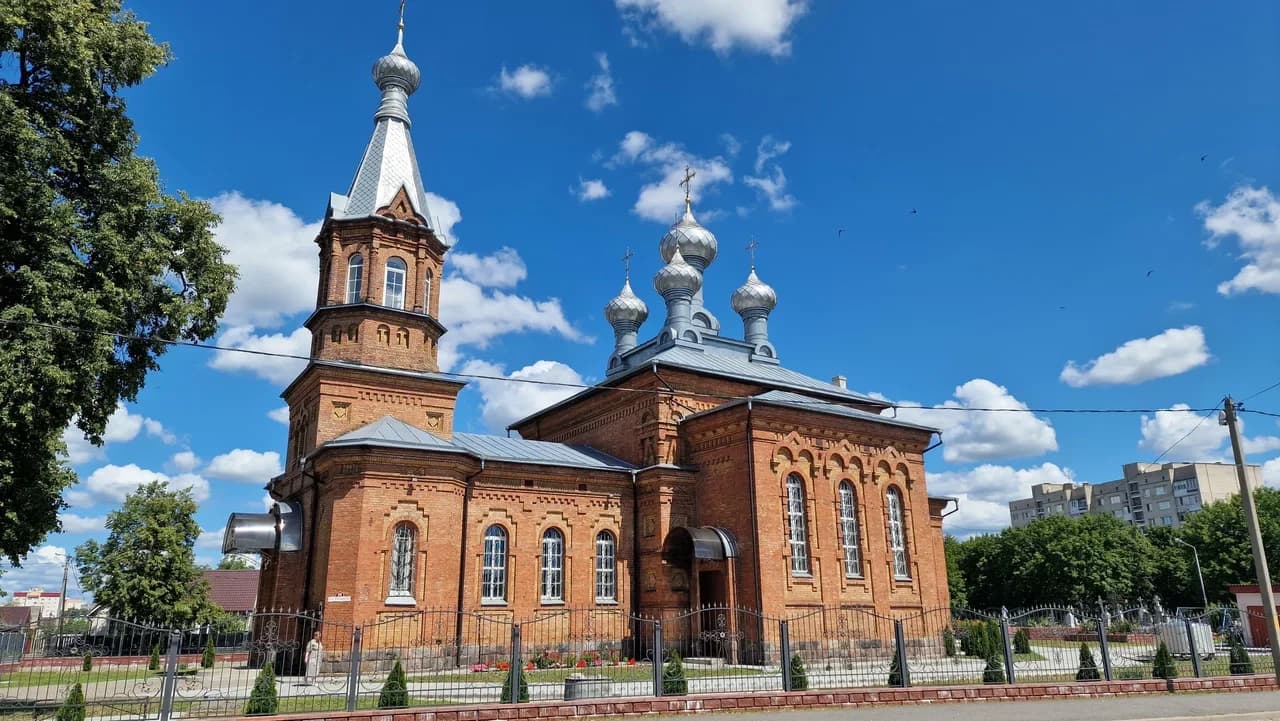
(751, 249)
(687, 183)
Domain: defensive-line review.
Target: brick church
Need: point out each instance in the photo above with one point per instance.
(699, 471)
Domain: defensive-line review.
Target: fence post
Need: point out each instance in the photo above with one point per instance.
(900, 647)
(170, 676)
(784, 638)
(1104, 649)
(353, 674)
(513, 673)
(657, 658)
(1191, 646)
(1008, 645)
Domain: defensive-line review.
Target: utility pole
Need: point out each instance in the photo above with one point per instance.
(62, 598)
(1255, 535)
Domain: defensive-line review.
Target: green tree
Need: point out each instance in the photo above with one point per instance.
(1240, 661)
(209, 656)
(673, 680)
(799, 677)
(73, 708)
(89, 240)
(1022, 641)
(1088, 670)
(1164, 666)
(994, 671)
(146, 569)
(1173, 576)
(86, 663)
(948, 642)
(233, 562)
(1218, 533)
(522, 693)
(953, 550)
(263, 698)
(895, 669)
(395, 691)
(153, 663)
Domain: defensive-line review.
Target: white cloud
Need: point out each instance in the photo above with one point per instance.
(773, 185)
(1271, 473)
(768, 149)
(526, 81)
(122, 427)
(1174, 351)
(592, 189)
(444, 214)
(502, 269)
(601, 94)
(503, 402)
(210, 540)
(279, 415)
(279, 371)
(1196, 441)
(663, 199)
(760, 25)
(732, 145)
(1252, 215)
(74, 523)
(970, 436)
(984, 493)
(245, 466)
(111, 483)
(184, 461)
(42, 568)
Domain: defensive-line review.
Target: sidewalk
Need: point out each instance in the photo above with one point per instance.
(1254, 706)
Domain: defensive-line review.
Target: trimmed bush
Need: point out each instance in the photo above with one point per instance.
(799, 678)
(1240, 661)
(1022, 641)
(395, 692)
(673, 681)
(208, 657)
(263, 699)
(994, 672)
(522, 694)
(86, 664)
(154, 663)
(73, 708)
(948, 642)
(895, 670)
(1163, 666)
(1088, 670)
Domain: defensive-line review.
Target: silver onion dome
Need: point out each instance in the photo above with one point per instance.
(677, 275)
(754, 295)
(626, 307)
(397, 69)
(694, 242)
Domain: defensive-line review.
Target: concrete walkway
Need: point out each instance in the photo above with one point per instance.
(1258, 706)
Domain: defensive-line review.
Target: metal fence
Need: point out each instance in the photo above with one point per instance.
(128, 670)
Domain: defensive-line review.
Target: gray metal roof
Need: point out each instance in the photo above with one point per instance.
(806, 403)
(390, 432)
(739, 367)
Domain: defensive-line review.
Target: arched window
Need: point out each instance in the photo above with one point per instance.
(355, 278)
(552, 587)
(393, 292)
(426, 298)
(606, 567)
(797, 532)
(849, 531)
(403, 543)
(897, 535)
(493, 582)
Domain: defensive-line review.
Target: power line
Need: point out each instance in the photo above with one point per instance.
(580, 386)
(1187, 435)
(1271, 387)
(1260, 413)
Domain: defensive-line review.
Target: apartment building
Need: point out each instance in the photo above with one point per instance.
(1149, 494)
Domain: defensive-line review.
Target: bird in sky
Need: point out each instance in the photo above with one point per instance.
(1202, 157)
(1149, 272)
(839, 232)
(913, 211)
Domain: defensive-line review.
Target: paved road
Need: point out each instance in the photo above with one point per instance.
(1260, 706)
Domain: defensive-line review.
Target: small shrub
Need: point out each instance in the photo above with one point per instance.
(1163, 666)
(1121, 627)
(395, 693)
(208, 657)
(263, 699)
(994, 672)
(1088, 670)
(1022, 641)
(673, 681)
(73, 708)
(799, 678)
(1240, 661)
(948, 642)
(522, 694)
(154, 663)
(895, 670)
(86, 664)
(543, 661)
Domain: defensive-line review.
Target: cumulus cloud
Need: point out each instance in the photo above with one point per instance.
(444, 214)
(663, 198)
(279, 415)
(732, 146)
(184, 461)
(984, 493)
(1196, 441)
(600, 93)
(111, 483)
(42, 568)
(593, 189)
(525, 82)
(245, 466)
(277, 370)
(972, 436)
(75, 523)
(772, 186)
(1271, 473)
(210, 540)
(503, 402)
(501, 269)
(1252, 216)
(757, 25)
(1174, 351)
(122, 427)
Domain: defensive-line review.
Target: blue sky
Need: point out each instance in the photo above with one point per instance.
(1053, 153)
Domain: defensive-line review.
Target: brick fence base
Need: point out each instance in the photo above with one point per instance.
(704, 703)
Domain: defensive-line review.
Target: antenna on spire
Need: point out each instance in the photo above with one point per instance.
(400, 26)
(687, 184)
(751, 250)
(626, 262)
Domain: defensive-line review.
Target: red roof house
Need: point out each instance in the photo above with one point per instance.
(233, 591)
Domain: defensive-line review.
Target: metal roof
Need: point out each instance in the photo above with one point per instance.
(806, 403)
(392, 432)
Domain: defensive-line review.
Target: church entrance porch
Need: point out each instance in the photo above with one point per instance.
(714, 630)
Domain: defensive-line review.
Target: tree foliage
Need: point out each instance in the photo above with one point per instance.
(146, 570)
(1088, 670)
(673, 679)
(1218, 533)
(395, 690)
(233, 562)
(522, 692)
(1239, 659)
(895, 669)
(73, 708)
(1164, 666)
(88, 240)
(209, 656)
(953, 549)
(799, 676)
(263, 698)
(994, 671)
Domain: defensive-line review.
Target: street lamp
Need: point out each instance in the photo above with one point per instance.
(1203, 596)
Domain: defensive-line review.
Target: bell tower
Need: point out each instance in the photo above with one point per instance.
(375, 333)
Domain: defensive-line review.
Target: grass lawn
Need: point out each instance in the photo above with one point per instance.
(69, 676)
(1033, 656)
(558, 675)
